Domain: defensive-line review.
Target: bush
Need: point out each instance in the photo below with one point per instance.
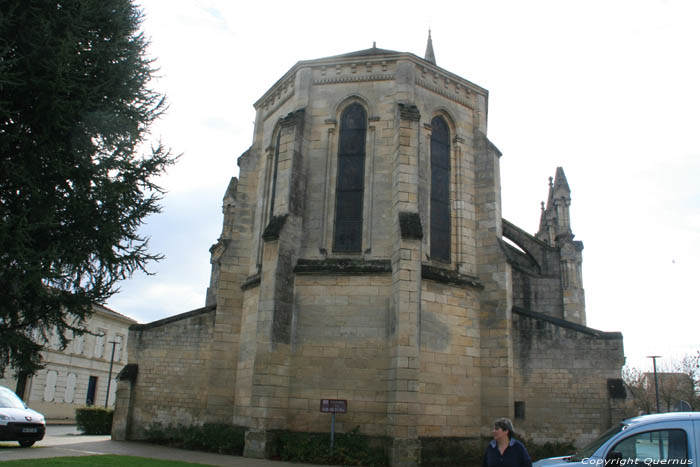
(210, 437)
(350, 448)
(446, 452)
(94, 420)
(543, 451)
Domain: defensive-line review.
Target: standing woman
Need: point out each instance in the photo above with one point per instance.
(504, 450)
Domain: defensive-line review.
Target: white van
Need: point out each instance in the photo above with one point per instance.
(659, 439)
(17, 421)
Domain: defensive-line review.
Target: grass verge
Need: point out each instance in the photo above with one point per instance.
(96, 461)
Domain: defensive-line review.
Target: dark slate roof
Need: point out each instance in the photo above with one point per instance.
(365, 53)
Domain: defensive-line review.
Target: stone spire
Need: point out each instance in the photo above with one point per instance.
(429, 53)
(554, 219)
(562, 200)
(555, 230)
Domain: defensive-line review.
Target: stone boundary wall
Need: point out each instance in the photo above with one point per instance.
(561, 371)
(173, 357)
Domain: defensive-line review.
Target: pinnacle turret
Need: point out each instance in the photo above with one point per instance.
(554, 219)
(561, 186)
(429, 53)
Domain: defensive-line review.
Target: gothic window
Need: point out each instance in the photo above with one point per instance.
(440, 190)
(274, 174)
(350, 182)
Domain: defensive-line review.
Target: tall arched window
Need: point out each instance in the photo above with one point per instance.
(273, 182)
(350, 183)
(440, 190)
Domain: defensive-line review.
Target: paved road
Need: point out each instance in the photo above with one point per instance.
(65, 440)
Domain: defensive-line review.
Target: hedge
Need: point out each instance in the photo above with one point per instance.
(210, 437)
(94, 420)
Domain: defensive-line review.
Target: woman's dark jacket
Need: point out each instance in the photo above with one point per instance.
(515, 455)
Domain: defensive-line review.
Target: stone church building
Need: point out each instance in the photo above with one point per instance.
(364, 257)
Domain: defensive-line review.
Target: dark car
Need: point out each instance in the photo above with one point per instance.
(18, 422)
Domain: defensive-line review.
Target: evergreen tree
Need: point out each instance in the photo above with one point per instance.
(75, 108)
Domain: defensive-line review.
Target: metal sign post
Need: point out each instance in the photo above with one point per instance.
(333, 406)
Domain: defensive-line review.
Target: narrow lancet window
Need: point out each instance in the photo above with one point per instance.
(350, 182)
(273, 190)
(440, 190)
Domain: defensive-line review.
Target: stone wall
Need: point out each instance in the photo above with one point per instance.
(340, 351)
(450, 382)
(561, 375)
(173, 358)
(536, 272)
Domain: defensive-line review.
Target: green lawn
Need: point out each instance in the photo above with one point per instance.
(98, 461)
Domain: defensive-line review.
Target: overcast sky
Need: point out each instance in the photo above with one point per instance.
(609, 90)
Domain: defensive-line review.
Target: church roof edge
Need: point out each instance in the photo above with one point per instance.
(374, 53)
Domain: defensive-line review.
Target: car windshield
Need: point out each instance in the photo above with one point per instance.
(593, 446)
(9, 400)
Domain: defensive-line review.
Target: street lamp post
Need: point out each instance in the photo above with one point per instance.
(111, 363)
(656, 382)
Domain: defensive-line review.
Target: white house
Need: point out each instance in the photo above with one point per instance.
(79, 375)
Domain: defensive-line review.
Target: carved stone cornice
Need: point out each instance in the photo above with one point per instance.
(356, 78)
(370, 66)
(463, 100)
(279, 103)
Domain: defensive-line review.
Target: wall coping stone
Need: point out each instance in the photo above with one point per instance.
(409, 112)
(507, 225)
(567, 324)
(447, 276)
(515, 258)
(410, 224)
(347, 266)
(251, 281)
(172, 319)
(129, 372)
(273, 229)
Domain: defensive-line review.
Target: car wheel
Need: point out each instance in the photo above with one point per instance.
(25, 443)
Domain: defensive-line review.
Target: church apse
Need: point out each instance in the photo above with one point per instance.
(362, 258)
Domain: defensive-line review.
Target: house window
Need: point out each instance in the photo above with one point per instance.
(100, 343)
(91, 391)
(79, 344)
(440, 190)
(519, 410)
(70, 388)
(350, 183)
(50, 387)
(118, 348)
